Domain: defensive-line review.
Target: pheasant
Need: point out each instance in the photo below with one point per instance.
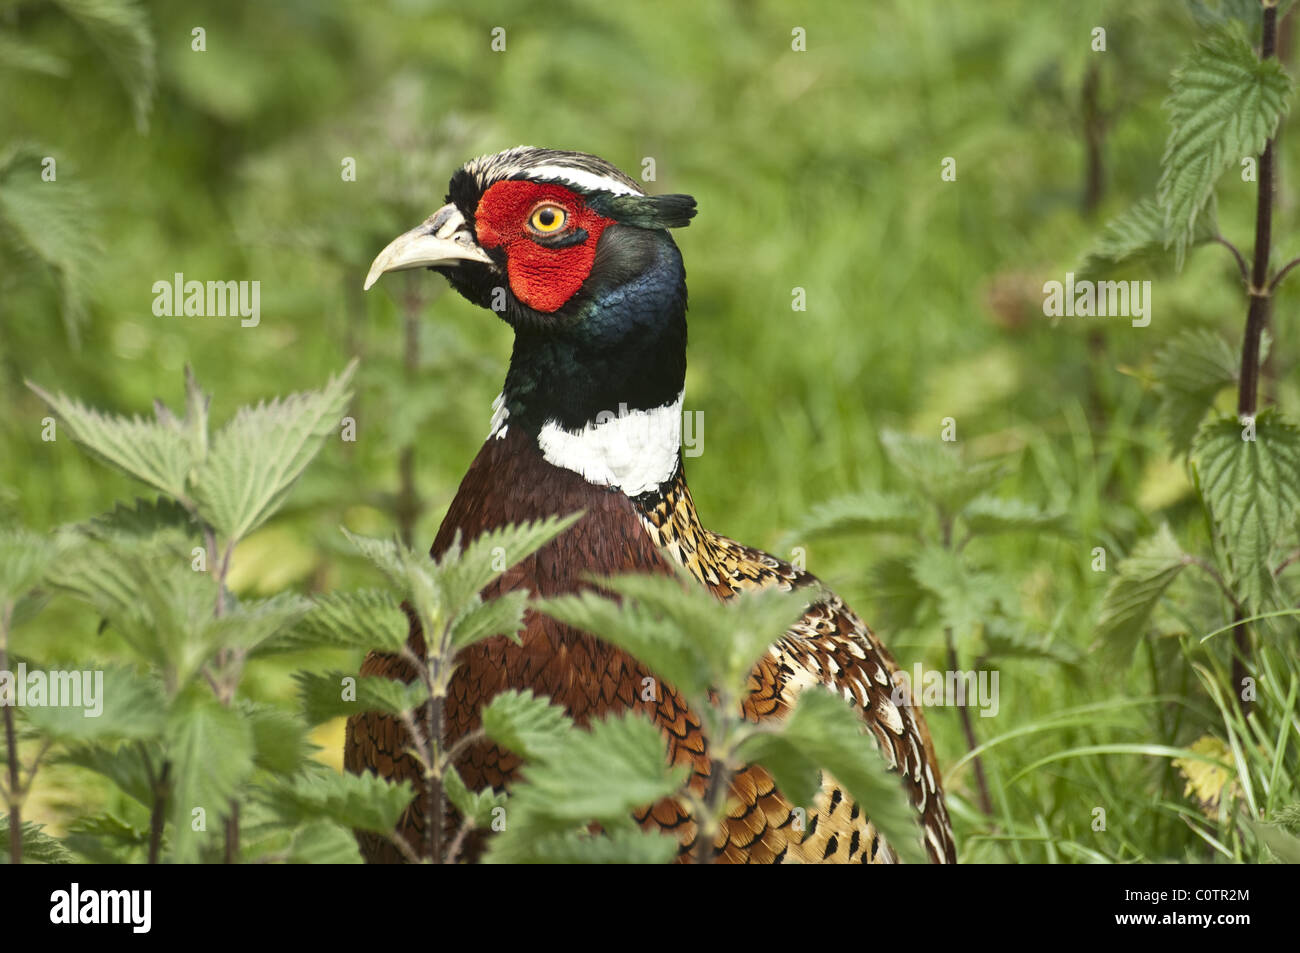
(578, 260)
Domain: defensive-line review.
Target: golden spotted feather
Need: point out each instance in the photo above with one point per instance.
(829, 646)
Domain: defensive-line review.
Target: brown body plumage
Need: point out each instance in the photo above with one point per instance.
(509, 483)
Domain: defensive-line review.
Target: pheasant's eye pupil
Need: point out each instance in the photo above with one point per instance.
(547, 219)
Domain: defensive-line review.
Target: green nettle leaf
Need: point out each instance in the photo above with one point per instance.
(938, 470)
(384, 554)
(247, 625)
(151, 596)
(121, 704)
(1189, 371)
(363, 802)
(107, 839)
(257, 457)
(600, 775)
(120, 28)
(38, 846)
(1252, 490)
(1140, 237)
(331, 695)
(1226, 103)
(280, 742)
(367, 619)
(24, 558)
(125, 765)
(1281, 843)
(673, 627)
(966, 597)
(210, 748)
(526, 724)
(617, 847)
(60, 228)
(152, 451)
(987, 515)
(478, 807)
(1140, 581)
(463, 573)
(825, 732)
(867, 512)
(503, 615)
(323, 842)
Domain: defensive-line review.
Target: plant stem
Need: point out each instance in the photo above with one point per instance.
(1094, 134)
(986, 801)
(11, 749)
(1256, 321)
(157, 817)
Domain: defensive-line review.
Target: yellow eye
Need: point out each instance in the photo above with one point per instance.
(547, 219)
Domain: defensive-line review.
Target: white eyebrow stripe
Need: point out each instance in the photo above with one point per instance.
(581, 178)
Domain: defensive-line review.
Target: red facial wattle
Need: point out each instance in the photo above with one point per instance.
(542, 277)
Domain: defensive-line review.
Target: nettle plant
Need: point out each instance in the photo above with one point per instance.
(930, 580)
(208, 774)
(1238, 641)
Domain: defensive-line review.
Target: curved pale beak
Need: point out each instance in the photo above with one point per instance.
(444, 238)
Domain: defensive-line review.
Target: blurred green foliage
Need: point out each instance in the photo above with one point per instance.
(817, 170)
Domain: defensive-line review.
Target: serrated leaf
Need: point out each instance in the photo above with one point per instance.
(38, 846)
(280, 742)
(681, 631)
(1252, 490)
(1140, 581)
(938, 470)
(477, 806)
(867, 512)
(322, 695)
(987, 515)
(1225, 105)
(363, 802)
(1189, 371)
(323, 842)
(210, 748)
(147, 450)
(151, 596)
(966, 597)
(617, 847)
(825, 732)
(130, 705)
(24, 559)
(463, 573)
(1139, 237)
(503, 615)
(524, 723)
(257, 457)
(248, 624)
(124, 765)
(600, 775)
(369, 619)
(120, 28)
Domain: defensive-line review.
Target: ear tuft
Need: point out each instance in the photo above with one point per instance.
(646, 211)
